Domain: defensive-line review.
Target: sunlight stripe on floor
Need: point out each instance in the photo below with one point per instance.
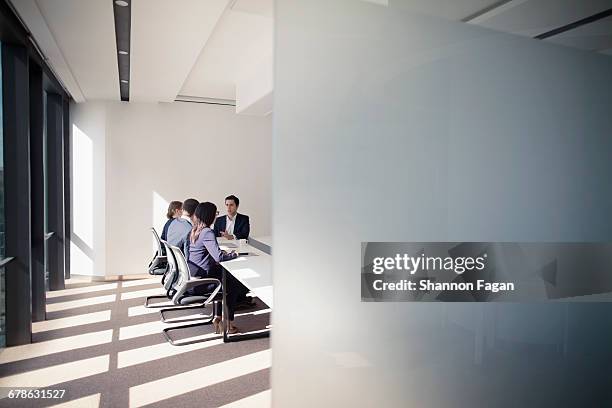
(142, 293)
(46, 377)
(73, 304)
(44, 348)
(141, 310)
(90, 401)
(151, 353)
(141, 282)
(188, 381)
(64, 322)
(255, 312)
(259, 400)
(143, 329)
(81, 291)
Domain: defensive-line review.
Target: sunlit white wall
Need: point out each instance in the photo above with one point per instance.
(88, 178)
(160, 209)
(153, 154)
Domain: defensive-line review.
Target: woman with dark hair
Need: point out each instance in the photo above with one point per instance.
(204, 258)
(175, 210)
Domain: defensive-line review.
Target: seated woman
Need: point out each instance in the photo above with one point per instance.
(204, 258)
(175, 210)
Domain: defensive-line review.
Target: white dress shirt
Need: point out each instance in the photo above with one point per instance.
(229, 224)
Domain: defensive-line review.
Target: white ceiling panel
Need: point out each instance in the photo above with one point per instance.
(166, 39)
(596, 36)
(240, 42)
(30, 14)
(449, 9)
(84, 32)
(534, 17)
(259, 7)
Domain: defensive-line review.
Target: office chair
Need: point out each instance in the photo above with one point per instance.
(169, 280)
(159, 263)
(181, 298)
(171, 283)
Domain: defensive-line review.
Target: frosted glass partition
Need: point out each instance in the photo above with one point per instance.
(393, 126)
(2, 223)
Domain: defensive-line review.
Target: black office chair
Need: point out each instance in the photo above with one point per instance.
(169, 280)
(159, 263)
(182, 298)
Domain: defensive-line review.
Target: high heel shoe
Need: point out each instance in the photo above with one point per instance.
(230, 330)
(218, 325)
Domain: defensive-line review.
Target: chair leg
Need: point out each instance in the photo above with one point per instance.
(148, 298)
(186, 326)
(198, 306)
(161, 304)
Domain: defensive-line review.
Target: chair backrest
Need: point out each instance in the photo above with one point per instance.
(160, 247)
(171, 277)
(181, 262)
(181, 265)
(185, 276)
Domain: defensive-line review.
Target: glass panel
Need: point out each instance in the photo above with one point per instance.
(2, 225)
(394, 126)
(46, 212)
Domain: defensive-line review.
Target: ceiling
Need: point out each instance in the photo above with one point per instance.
(525, 17)
(197, 48)
(242, 39)
(218, 49)
(166, 42)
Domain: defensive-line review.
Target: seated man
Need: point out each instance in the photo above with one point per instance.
(233, 225)
(180, 228)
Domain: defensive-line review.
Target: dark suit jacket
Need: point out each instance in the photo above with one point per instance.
(242, 228)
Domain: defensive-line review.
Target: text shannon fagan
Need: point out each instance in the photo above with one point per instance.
(428, 285)
(413, 264)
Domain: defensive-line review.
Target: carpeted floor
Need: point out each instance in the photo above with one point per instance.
(106, 350)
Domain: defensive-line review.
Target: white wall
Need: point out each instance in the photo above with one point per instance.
(390, 126)
(156, 153)
(88, 182)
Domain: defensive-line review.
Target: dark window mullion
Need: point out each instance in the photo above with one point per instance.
(55, 191)
(15, 87)
(37, 191)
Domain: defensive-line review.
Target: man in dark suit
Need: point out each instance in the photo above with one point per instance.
(233, 225)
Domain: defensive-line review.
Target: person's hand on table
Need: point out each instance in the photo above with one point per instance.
(226, 235)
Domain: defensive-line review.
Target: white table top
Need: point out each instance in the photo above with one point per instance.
(267, 240)
(253, 271)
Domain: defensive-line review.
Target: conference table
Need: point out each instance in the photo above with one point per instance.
(267, 240)
(253, 270)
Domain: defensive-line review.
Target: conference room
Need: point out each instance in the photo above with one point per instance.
(191, 191)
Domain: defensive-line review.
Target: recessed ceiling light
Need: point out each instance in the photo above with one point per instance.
(123, 52)
(124, 81)
(121, 3)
